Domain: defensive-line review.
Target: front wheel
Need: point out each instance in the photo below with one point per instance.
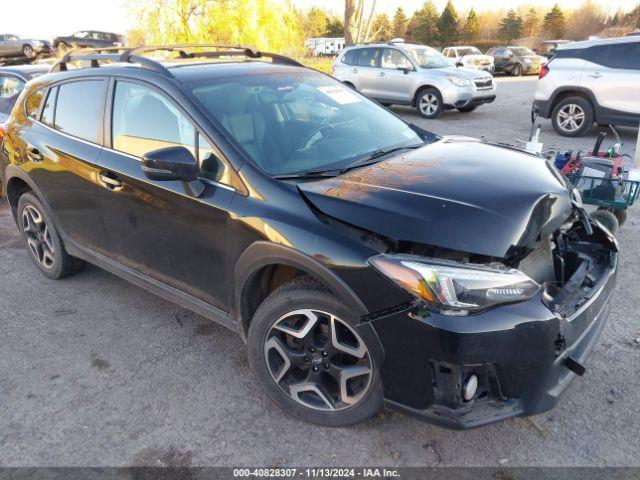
(28, 51)
(429, 103)
(517, 70)
(309, 358)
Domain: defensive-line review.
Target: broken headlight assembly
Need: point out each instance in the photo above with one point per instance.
(454, 288)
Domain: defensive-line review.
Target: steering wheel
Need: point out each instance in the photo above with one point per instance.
(322, 128)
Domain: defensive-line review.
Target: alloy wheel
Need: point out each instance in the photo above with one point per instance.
(38, 236)
(318, 360)
(571, 117)
(429, 104)
(27, 51)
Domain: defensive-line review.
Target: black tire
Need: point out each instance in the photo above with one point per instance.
(572, 117)
(57, 263)
(27, 51)
(620, 214)
(429, 103)
(607, 219)
(517, 70)
(306, 293)
(467, 109)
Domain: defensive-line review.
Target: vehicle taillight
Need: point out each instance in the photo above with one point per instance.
(543, 71)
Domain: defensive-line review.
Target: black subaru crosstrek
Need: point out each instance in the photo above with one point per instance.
(366, 262)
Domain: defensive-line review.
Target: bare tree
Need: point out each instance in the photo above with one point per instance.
(358, 19)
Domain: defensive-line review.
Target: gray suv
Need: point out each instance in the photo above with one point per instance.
(596, 81)
(407, 74)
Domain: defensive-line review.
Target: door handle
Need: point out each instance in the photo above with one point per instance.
(381, 74)
(355, 70)
(34, 154)
(595, 75)
(110, 180)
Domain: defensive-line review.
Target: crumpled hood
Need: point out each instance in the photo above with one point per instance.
(457, 193)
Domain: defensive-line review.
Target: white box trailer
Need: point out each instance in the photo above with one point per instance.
(325, 46)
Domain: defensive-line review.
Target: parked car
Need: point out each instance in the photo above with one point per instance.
(469, 57)
(405, 74)
(12, 46)
(516, 61)
(12, 82)
(592, 81)
(365, 261)
(549, 47)
(89, 39)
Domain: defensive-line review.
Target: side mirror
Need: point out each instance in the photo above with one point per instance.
(406, 70)
(171, 163)
(459, 63)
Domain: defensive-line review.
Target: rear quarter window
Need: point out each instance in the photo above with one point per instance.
(350, 57)
(33, 102)
(624, 56)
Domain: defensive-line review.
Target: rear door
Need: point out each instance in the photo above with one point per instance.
(500, 59)
(164, 229)
(617, 84)
(62, 146)
(368, 71)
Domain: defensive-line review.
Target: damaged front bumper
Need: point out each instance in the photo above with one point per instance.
(524, 355)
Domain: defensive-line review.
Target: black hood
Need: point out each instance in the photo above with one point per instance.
(456, 193)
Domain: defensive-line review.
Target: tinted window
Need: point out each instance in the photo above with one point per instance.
(10, 88)
(144, 120)
(49, 107)
(369, 57)
(211, 166)
(625, 55)
(499, 52)
(79, 108)
(350, 57)
(597, 54)
(394, 59)
(32, 105)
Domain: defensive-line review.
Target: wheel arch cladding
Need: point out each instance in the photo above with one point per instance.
(419, 91)
(265, 266)
(561, 94)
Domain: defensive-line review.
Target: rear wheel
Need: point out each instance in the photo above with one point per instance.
(572, 117)
(42, 240)
(620, 214)
(309, 358)
(429, 103)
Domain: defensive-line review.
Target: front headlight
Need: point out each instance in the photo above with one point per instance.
(453, 288)
(459, 82)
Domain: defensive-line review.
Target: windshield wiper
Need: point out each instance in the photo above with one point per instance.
(309, 174)
(375, 156)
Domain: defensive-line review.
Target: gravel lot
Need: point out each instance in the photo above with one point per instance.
(96, 372)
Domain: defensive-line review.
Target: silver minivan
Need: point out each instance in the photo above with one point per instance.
(406, 74)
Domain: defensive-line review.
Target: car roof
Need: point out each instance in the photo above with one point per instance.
(597, 41)
(182, 71)
(26, 71)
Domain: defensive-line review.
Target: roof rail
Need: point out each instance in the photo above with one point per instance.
(135, 55)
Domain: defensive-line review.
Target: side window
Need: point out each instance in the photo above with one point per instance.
(499, 52)
(369, 57)
(144, 120)
(79, 108)
(394, 59)
(596, 54)
(211, 167)
(32, 104)
(49, 107)
(625, 55)
(350, 57)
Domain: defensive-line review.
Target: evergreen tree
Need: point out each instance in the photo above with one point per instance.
(422, 27)
(335, 27)
(471, 28)
(511, 26)
(448, 25)
(553, 25)
(400, 23)
(531, 24)
(316, 23)
(381, 29)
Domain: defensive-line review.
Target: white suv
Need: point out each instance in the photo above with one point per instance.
(469, 57)
(593, 81)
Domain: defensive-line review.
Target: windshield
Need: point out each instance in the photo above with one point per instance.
(289, 123)
(469, 51)
(428, 57)
(521, 51)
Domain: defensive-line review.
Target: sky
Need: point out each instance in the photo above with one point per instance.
(45, 19)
